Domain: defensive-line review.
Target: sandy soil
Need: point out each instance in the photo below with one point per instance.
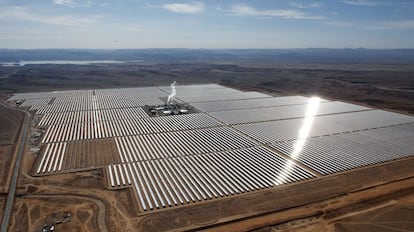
(6, 158)
(397, 216)
(32, 213)
(107, 209)
(2, 205)
(10, 124)
(391, 213)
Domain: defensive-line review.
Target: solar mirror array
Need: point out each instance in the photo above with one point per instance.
(237, 142)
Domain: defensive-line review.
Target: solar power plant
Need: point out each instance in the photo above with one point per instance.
(236, 142)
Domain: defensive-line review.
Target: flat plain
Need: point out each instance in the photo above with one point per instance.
(388, 86)
(97, 206)
(10, 123)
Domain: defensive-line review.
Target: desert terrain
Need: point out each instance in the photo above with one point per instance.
(10, 124)
(356, 200)
(381, 86)
(393, 212)
(329, 203)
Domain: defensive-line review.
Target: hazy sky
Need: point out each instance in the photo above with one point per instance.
(206, 24)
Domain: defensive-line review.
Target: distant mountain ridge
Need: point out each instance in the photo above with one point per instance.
(324, 55)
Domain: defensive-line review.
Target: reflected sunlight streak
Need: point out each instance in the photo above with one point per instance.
(304, 131)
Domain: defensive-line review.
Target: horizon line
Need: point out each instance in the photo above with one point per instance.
(158, 48)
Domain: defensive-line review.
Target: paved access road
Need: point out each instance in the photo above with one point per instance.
(13, 183)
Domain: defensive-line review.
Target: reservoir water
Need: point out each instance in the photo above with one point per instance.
(76, 62)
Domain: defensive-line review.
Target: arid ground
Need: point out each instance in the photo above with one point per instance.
(10, 123)
(379, 85)
(372, 198)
